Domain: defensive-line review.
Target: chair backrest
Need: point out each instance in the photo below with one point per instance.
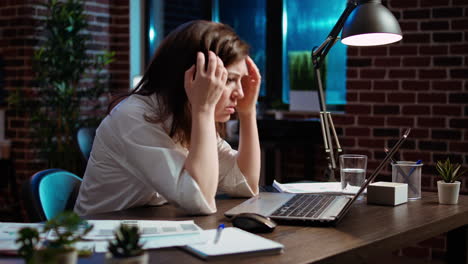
(50, 192)
(85, 139)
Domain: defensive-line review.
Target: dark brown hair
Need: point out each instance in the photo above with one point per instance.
(165, 74)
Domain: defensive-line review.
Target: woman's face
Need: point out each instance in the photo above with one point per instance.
(226, 105)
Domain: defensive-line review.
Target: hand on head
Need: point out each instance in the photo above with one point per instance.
(250, 87)
(204, 84)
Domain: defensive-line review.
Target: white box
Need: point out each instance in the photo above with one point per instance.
(387, 193)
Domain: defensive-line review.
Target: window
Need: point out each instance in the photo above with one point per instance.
(306, 24)
(248, 19)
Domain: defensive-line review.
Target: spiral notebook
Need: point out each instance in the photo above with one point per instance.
(233, 242)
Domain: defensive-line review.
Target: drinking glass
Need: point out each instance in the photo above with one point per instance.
(353, 172)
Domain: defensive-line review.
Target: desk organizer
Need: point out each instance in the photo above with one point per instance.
(387, 193)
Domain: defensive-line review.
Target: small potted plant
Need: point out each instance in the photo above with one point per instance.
(27, 238)
(67, 228)
(126, 247)
(448, 188)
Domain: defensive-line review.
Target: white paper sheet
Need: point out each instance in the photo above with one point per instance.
(313, 187)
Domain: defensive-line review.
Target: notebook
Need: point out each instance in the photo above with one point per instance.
(308, 209)
(233, 242)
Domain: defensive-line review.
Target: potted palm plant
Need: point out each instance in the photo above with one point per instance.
(448, 188)
(70, 87)
(126, 248)
(67, 228)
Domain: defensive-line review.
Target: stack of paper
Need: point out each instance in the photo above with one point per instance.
(313, 187)
(155, 234)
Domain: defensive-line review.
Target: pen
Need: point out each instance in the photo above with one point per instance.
(412, 169)
(218, 233)
(413, 188)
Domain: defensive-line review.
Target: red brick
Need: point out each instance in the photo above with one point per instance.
(386, 109)
(459, 49)
(434, 25)
(432, 74)
(402, 74)
(357, 131)
(458, 146)
(459, 73)
(371, 121)
(447, 85)
(351, 74)
(372, 97)
(431, 122)
(416, 14)
(371, 143)
(417, 38)
(433, 3)
(447, 12)
(387, 62)
(432, 98)
(403, 50)
(447, 37)
(415, 85)
(401, 98)
(385, 85)
(416, 61)
(374, 51)
(433, 50)
(420, 133)
(416, 110)
(403, 3)
(459, 123)
(358, 109)
(372, 74)
(413, 156)
(407, 26)
(352, 51)
(400, 121)
(460, 24)
(351, 96)
(341, 120)
(447, 110)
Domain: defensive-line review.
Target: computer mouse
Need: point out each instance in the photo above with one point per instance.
(254, 223)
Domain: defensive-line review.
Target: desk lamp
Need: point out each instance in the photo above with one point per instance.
(364, 23)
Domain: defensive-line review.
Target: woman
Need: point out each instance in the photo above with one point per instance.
(161, 143)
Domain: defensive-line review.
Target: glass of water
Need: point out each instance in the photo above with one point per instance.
(353, 172)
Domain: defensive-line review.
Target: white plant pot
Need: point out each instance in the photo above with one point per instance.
(448, 192)
(304, 101)
(56, 256)
(142, 259)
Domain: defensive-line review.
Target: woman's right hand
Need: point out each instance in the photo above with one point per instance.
(204, 85)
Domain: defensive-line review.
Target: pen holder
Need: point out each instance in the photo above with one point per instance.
(408, 172)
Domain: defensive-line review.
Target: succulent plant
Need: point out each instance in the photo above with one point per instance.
(449, 171)
(126, 243)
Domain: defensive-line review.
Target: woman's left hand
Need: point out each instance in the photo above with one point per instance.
(250, 87)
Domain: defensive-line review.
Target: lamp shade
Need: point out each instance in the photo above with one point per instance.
(370, 24)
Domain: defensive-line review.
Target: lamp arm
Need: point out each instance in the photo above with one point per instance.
(322, 50)
(318, 55)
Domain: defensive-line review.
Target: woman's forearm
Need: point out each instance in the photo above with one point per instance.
(202, 161)
(248, 158)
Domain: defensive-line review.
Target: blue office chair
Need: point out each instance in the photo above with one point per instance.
(85, 139)
(50, 192)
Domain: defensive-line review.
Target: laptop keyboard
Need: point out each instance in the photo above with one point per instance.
(305, 205)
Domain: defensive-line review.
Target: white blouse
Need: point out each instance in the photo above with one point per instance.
(135, 163)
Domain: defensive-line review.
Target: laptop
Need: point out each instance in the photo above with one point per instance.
(308, 209)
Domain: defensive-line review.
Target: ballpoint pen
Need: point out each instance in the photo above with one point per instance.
(218, 233)
(411, 186)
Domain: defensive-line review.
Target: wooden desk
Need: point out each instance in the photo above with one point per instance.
(364, 234)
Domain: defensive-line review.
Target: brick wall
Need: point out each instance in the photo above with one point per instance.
(19, 31)
(420, 82)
